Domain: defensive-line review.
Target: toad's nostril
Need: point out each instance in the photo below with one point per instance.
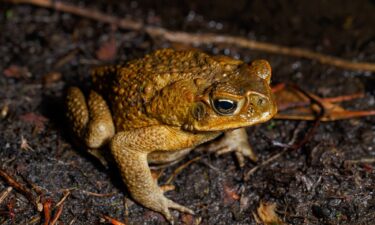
(257, 99)
(261, 101)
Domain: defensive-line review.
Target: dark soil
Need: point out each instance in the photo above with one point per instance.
(312, 185)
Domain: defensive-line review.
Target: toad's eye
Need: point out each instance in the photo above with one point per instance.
(225, 106)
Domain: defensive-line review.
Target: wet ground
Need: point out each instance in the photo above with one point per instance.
(44, 51)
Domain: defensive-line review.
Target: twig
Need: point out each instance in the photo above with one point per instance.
(98, 194)
(111, 220)
(180, 168)
(264, 163)
(86, 13)
(66, 194)
(4, 194)
(47, 211)
(278, 87)
(211, 167)
(37, 189)
(72, 221)
(34, 219)
(19, 187)
(57, 214)
(337, 116)
(343, 98)
(364, 160)
(198, 39)
(126, 209)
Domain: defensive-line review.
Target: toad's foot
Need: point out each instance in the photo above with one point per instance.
(234, 141)
(164, 204)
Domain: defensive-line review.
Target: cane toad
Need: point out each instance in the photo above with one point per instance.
(157, 108)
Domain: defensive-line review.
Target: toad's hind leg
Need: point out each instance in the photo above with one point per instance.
(91, 121)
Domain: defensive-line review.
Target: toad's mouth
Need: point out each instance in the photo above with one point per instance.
(248, 118)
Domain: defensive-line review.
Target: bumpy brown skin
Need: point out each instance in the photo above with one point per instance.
(155, 109)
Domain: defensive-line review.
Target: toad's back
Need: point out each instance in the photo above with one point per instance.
(129, 87)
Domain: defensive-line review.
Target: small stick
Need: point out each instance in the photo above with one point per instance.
(278, 87)
(126, 207)
(57, 214)
(34, 219)
(199, 39)
(86, 13)
(38, 190)
(264, 163)
(19, 187)
(111, 220)
(98, 194)
(208, 38)
(343, 98)
(47, 211)
(4, 194)
(181, 168)
(66, 194)
(72, 221)
(364, 160)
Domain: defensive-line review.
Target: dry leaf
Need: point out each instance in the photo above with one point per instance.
(107, 50)
(4, 111)
(230, 194)
(36, 119)
(187, 219)
(266, 213)
(52, 77)
(25, 145)
(14, 71)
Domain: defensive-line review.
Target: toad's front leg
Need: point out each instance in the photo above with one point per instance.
(130, 149)
(234, 141)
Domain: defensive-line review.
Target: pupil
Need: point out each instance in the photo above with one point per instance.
(225, 104)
